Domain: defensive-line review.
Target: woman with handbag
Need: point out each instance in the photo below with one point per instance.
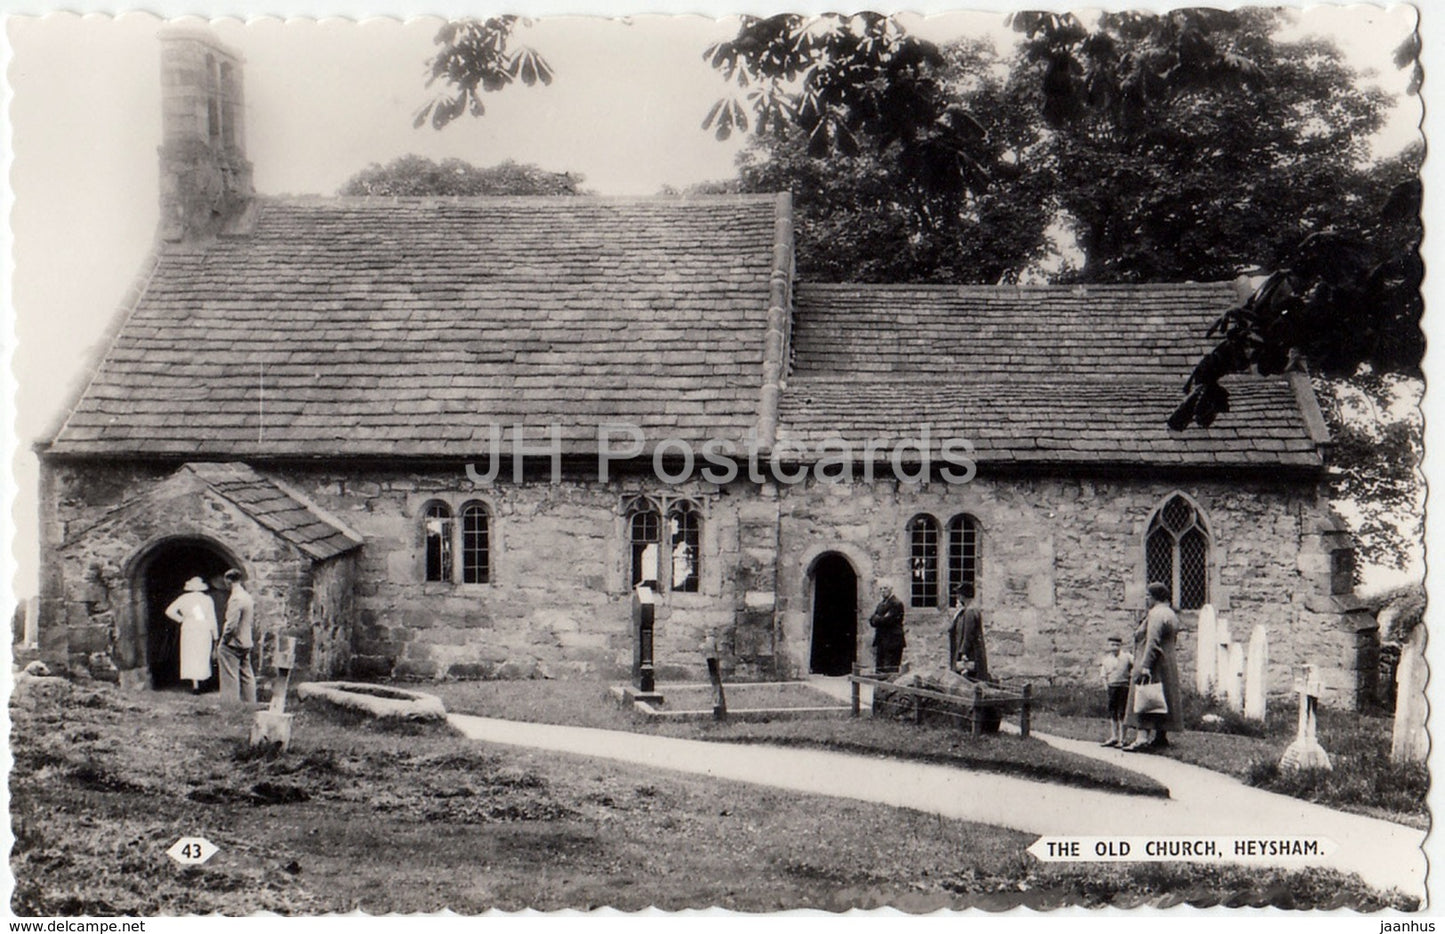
(1156, 674)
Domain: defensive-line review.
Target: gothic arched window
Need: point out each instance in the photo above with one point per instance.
(1176, 552)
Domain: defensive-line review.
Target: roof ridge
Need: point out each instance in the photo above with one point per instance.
(780, 302)
(330, 517)
(992, 377)
(680, 200)
(248, 474)
(972, 288)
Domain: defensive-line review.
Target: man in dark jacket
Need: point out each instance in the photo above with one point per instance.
(887, 623)
(967, 654)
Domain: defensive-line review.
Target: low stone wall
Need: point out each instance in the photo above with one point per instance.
(381, 703)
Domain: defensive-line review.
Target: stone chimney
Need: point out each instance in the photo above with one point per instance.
(205, 178)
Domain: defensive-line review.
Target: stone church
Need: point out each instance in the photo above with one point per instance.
(443, 438)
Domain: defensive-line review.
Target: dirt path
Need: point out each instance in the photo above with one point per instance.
(1202, 803)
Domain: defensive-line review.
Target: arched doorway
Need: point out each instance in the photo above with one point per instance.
(835, 616)
(159, 578)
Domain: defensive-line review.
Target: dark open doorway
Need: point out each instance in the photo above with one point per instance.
(835, 616)
(161, 579)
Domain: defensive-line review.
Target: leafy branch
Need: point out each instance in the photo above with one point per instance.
(476, 57)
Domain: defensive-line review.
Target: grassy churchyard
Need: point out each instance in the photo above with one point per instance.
(1363, 779)
(354, 817)
(586, 703)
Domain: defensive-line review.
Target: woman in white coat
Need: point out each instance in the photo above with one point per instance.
(196, 613)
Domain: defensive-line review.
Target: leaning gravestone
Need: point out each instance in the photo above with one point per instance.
(1306, 752)
(1410, 742)
(1234, 678)
(1204, 652)
(1255, 668)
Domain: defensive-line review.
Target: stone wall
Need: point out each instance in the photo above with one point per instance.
(331, 613)
(1062, 568)
(559, 598)
(102, 524)
(558, 601)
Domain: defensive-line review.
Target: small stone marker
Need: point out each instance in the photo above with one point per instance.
(1306, 752)
(272, 727)
(1204, 652)
(284, 660)
(1410, 742)
(192, 851)
(1234, 677)
(1256, 667)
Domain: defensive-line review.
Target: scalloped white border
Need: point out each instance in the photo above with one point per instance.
(1433, 35)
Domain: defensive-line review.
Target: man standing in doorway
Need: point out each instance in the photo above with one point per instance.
(887, 623)
(238, 681)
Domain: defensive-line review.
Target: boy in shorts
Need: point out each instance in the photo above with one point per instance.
(1114, 666)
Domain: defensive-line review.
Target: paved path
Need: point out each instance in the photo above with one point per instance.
(1202, 803)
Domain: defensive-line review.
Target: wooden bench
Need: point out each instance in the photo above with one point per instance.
(996, 697)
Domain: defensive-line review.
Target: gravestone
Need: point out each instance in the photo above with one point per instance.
(1256, 670)
(1410, 742)
(1306, 752)
(1204, 652)
(1234, 677)
(1222, 642)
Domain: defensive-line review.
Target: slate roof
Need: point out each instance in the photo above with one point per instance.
(277, 507)
(405, 327)
(1030, 375)
(385, 327)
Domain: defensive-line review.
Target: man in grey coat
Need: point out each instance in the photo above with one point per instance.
(233, 654)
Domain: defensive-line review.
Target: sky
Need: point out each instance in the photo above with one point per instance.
(326, 98)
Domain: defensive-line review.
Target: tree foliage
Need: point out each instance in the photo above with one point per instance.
(846, 82)
(1195, 144)
(868, 217)
(416, 175)
(474, 57)
(1375, 426)
(1117, 74)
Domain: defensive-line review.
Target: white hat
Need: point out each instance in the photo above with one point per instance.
(195, 584)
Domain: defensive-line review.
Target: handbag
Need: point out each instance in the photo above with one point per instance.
(1149, 698)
